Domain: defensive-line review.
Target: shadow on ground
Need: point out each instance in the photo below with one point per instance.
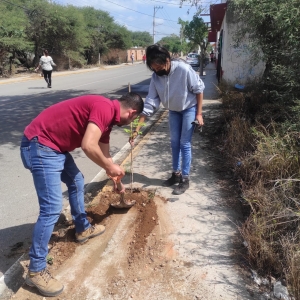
(18, 111)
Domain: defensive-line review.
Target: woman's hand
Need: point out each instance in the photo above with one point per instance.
(132, 138)
(199, 118)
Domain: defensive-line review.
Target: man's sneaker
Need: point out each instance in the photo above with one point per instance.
(89, 233)
(181, 187)
(175, 178)
(46, 284)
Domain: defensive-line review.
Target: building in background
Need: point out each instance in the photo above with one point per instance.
(233, 63)
(118, 56)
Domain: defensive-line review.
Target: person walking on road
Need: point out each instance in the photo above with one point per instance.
(46, 62)
(132, 57)
(144, 58)
(85, 122)
(179, 88)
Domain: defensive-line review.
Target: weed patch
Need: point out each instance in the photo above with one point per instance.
(264, 155)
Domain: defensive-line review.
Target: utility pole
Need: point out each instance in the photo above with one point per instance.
(156, 8)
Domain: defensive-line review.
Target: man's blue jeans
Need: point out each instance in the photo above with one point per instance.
(181, 132)
(49, 168)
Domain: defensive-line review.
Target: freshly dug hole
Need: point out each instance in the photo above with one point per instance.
(144, 224)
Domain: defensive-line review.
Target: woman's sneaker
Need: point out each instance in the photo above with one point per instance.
(175, 178)
(182, 186)
(89, 233)
(44, 282)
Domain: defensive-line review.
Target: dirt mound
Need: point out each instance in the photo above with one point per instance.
(63, 244)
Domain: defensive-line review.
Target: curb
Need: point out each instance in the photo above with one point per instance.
(8, 284)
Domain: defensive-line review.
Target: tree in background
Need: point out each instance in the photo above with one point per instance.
(13, 39)
(119, 37)
(273, 30)
(82, 34)
(37, 19)
(184, 44)
(65, 33)
(196, 31)
(103, 34)
(141, 38)
(172, 43)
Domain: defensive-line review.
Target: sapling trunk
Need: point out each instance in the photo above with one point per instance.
(131, 161)
(131, 133)
(131, 158)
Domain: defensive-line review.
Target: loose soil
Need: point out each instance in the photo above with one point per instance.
(63, 244)
(145, 255)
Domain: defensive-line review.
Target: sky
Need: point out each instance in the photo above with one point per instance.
(137, 15)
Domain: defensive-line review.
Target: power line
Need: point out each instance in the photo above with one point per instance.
(178, 4)
(163, 11)
(169, 3)
(137, 11)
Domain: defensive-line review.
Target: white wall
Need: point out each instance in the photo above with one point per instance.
(236, 64)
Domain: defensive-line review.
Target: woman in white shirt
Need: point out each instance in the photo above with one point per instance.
(46, 62)
(176, 86)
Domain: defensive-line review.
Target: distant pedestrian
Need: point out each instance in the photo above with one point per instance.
(144, 58)
(132, 57)
(46, 62)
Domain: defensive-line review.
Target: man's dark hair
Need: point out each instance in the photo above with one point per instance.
(133, 101)
(156, 54)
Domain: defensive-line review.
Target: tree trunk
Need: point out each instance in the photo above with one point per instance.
(202, 57)
(201, 66)
(36, 55)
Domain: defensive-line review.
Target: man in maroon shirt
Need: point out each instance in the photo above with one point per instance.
(85, 122)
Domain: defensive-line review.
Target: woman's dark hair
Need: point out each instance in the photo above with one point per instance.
(45, 52)
(133, 101)
(156, 54)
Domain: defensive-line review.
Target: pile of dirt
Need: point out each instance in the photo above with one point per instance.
(62, 244)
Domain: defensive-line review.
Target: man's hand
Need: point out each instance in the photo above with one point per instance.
(115, 170)
(118, 185)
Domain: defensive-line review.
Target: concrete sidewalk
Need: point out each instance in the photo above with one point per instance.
(201, 232)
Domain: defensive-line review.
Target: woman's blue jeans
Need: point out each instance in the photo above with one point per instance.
(49, 168)
(181, 132)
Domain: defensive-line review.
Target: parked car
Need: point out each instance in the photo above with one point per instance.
(193, 60)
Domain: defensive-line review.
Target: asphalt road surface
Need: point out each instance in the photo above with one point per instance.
(20, 102)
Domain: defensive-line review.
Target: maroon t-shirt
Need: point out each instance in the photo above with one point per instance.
(62, 126)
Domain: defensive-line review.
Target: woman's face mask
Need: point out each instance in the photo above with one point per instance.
(161, 72)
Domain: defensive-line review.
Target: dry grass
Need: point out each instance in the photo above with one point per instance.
(269, 176)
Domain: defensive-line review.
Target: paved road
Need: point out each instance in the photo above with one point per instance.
(20, 102)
